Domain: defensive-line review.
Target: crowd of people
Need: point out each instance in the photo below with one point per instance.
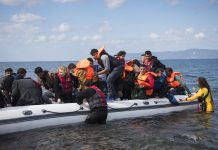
(110, 78)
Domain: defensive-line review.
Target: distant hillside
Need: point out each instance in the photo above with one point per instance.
(186, 54)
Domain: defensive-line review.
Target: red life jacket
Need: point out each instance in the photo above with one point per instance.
(171, 80)
(66, 83)
(98, 99)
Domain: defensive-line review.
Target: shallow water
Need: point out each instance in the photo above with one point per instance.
(178, 130)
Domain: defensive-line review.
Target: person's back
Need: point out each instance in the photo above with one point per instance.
(97, 103)
(26, 92)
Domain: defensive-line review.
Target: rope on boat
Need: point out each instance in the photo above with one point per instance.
(45, 111)
(134, 104)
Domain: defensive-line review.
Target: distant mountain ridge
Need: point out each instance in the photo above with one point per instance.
(184, 54)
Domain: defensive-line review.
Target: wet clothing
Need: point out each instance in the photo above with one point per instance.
(202, 93)
(64, 87)
(97, 103)
(154, 64)
(26, 92)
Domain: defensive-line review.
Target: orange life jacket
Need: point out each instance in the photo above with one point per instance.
(141, 80)
(128, 67)
(89, 72)
(171, 80)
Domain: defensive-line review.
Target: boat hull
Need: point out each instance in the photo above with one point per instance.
(15, 119)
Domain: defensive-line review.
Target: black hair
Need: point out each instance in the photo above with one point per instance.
(21, 71)
(93, 51)
(88, 83)
(90, 59)
(120, 53)
(142, 65)
(148, 52)
(38, 70)
(158, 70)
(9, 70)
(168, 71)
(71, 66)
(136, 62)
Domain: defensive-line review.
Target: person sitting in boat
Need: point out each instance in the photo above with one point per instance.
(64, 85)
(145, 83)
(151, 62)
(71, 68)
(112, 67)
(121, 56)
(97, 103)
(176, 84)
(204, 96)
(6, 86)
(160, 83)
(46, 80)
(26, 91)
(131, 70)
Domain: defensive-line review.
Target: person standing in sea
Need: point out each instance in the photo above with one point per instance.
(203, 95)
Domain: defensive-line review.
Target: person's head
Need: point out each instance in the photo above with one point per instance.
(159, 72)
(21, 71)
(168, 71)
(142, 69)
(91, 61)
(88, 83)
(202, 83)
(8, 71)
(148, 54)
(136, 62)
(94, 53)
(71, 67)
(62, 70)
(121, 54)
(39, 71)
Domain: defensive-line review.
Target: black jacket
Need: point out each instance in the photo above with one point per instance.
(7, 83)
(26, 92)
(156, 64)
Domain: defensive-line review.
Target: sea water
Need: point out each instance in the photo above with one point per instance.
(178, 130)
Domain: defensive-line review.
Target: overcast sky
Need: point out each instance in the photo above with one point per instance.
(47, 30)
